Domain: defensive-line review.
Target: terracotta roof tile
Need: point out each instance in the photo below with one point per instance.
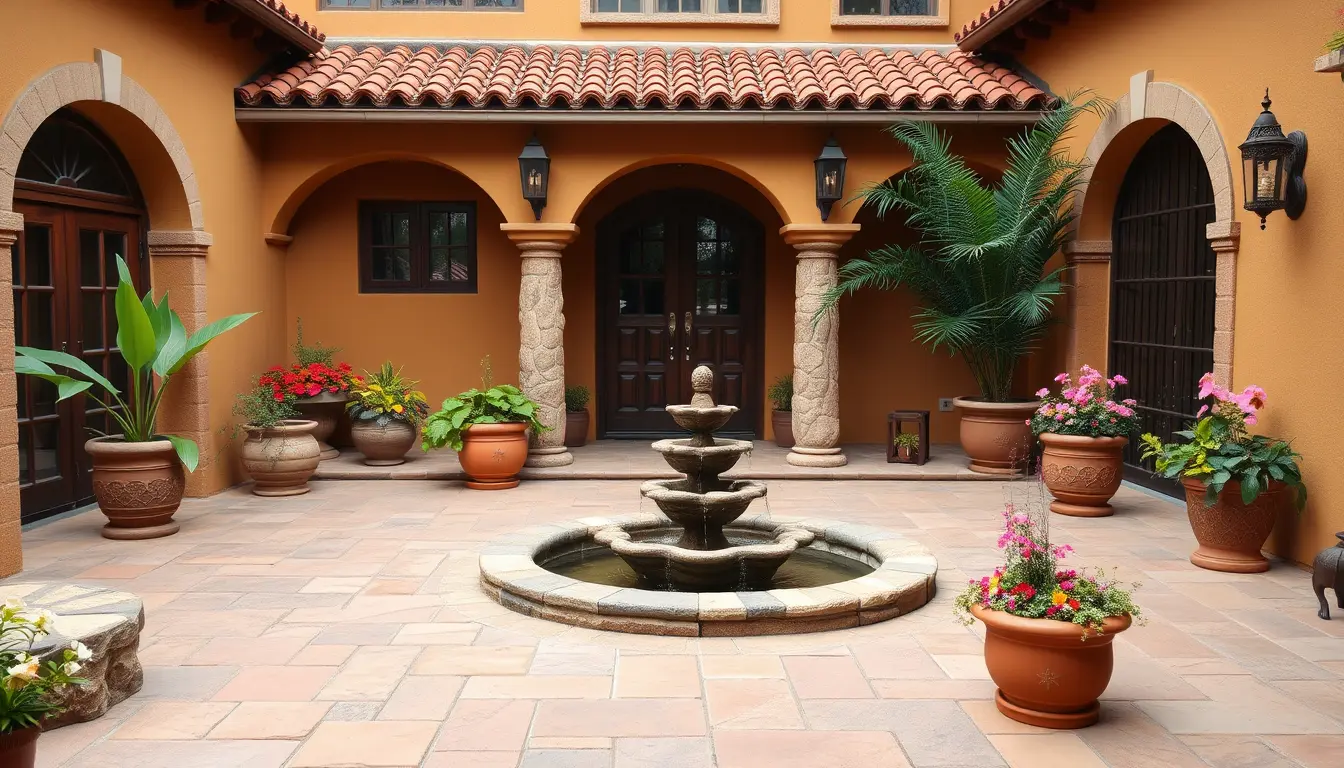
(281, 20)
(542, 76)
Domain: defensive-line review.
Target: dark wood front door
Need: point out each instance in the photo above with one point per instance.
(1162, 288)
(680, 284)
(65, 278)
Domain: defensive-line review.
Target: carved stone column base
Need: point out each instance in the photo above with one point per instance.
(549, 457)
(801, 456)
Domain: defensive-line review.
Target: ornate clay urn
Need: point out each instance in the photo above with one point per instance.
(1328, 573)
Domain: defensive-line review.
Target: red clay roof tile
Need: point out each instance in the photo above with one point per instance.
(540, 76)
(284, 22)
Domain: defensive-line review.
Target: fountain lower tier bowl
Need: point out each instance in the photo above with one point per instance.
(704, 461)
(748, 561)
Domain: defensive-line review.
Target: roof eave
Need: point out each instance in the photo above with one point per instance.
(348, 115)
(1001, 23)
(273, 22)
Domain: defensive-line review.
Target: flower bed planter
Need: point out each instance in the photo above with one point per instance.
(996, 436)
(139, 486)
(1082, 473)
(782, 424)
(1230, 532)
(383, 446)
(492, 455)
(280, 459)
(1047, 674)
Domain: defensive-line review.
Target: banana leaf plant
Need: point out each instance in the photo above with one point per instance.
(155, 346)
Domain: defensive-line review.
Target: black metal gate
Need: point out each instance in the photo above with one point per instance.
(1162, 288)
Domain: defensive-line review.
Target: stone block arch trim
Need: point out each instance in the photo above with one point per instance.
(1147, 99)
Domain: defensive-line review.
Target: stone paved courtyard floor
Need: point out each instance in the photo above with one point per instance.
(346, 627)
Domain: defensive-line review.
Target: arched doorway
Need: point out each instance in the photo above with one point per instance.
(1163, 287)
(81, 210)
(680, 283)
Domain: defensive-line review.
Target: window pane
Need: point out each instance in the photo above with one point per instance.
(438, 264)
(678, 6)
(730, 299)
(92, 310)
(629, 297)
(632, 257)
(705, 301)
(37, 256)
(729, 6)
(861, 7)
(90, 260)
(392, 264)
(459, 271)
(41, 321)
(438, 229)
(496, 3)
(24, 448)
(653, 257)
(347, 3)
(653, 297)
(707, 258)
(392, 228)
(45, 439)
(459, 228)
(114, 245)
(753, 6)
(912, 7)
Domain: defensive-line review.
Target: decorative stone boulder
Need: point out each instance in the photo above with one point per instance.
(109, 623)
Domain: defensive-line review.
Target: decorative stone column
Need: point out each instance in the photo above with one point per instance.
(541, 337)
(11, 537)
(816, 346)
(1225, 240)
(177, 266)
(1089, 294)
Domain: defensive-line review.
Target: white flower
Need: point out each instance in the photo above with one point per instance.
(82, 652)
(71, 667)
(24, 672)
(44, 621)
(15, 604)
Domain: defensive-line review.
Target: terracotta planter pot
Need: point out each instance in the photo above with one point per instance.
(782, 423)
(1230, 533)
(384, 446)
(492, 455)
(576, 428)
(280, 459)
(326, 410)
(1047, 675)
(18, 749)
(139, 486)
(905, 453)
(1082, 473)
(996, 436)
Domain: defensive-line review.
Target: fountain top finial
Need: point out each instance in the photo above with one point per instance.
(702, 384)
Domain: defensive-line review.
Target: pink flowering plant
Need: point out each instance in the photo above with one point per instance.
(1086, 408)
(1034, 586)
(1220, 449)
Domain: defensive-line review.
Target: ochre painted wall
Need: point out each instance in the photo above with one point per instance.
(1287, 337)
(190, 68)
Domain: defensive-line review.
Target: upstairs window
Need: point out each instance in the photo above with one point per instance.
(888, 7)
(427, 5)
(889, 13)
(416, 247)
(681, 11)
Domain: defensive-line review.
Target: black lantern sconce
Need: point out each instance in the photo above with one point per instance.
(534, 168)
(1273, 166)
(830, 166)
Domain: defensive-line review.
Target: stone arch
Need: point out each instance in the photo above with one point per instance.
(1135, 117)
(708, 162)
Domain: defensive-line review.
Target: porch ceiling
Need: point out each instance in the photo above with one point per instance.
(403, 82)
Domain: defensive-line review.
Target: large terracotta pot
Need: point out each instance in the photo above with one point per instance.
(1231, 533)
(280, 459)
(1082, 473)
(383, 446)
(782, 423)
(326, 410)
(1047, 674)
(18, 749)
(996, 436)
(492, 455)
(576, 428)
(139, 486)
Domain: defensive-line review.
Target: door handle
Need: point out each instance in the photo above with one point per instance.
(687, 338)
(671, 336)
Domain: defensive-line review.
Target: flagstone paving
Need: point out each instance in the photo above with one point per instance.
(346, 627)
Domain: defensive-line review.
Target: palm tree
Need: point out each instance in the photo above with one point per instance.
(979, 267)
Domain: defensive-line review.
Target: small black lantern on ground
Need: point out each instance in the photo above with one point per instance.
(534, 166)
(830, 165)
(1273, 166)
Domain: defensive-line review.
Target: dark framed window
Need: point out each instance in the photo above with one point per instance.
(429, 5)
(888, 7)
(417, 247)
(706, 7)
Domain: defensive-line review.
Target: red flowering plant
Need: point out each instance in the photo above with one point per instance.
(1033, 585)
(1087, 408)
(298, 382)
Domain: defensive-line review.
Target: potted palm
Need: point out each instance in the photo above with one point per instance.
(1048, 630)
(385, 412)
(29, 688)
(576, 416)
(488, 429)
(1084, 431)
(280, 452)
(781, 416)
(138, 475)
(1236, 483)
(980, 265)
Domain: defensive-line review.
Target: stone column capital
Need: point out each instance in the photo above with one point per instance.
(541, 240)
(179, 242)
(278, 240)
(1080, 251)
(818, 240)
(1224, 236)
(11, 224)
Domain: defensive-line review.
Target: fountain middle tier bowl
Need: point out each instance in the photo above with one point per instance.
(713, 506)
(747, 565)
(707, 461)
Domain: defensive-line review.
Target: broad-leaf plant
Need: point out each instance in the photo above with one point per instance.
(155, 345)
(499, 404)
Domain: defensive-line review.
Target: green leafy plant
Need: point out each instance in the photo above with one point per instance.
(1219, 449)
(155, 346)
(979, 267)
(384, 396)
(576, 399)
(502, 403)
(306, 354)
(781, 393)
(27, 684)
(906, 440)
(258, 407)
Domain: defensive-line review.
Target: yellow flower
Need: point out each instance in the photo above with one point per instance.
(993, 584)
(1059, 598)
(375, 388)
(398, 408)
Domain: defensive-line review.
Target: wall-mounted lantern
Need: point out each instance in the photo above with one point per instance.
(1273, 166)
(830, 166)
(534, 167)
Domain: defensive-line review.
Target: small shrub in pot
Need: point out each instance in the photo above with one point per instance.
(280, 453)
(576, 416)
(781, 415)
(488, 429)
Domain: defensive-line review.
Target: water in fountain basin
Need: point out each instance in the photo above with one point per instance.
(806, 568)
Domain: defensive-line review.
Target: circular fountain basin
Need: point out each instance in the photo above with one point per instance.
(684, 456)
(850, 575)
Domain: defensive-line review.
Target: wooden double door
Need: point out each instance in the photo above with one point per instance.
(680, 285)
(64, 282)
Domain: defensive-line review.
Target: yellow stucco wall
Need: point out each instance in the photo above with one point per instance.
(1286, 336)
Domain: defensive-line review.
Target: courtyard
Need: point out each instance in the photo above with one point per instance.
(347, 627)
